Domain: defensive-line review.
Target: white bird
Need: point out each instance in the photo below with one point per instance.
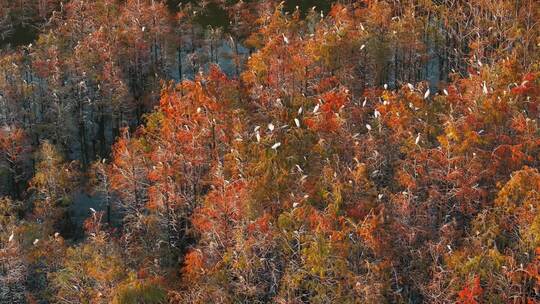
(377, 114)
(445, 92)
(92, 210)
(368, 127)
(362, 26)
(35, 242)
(316, 108)
(362, 47)
(300, 111)
(143, 28)
(426, 95)
(380, 196)
(270, 127)
(258, 136)
(417, 139)
(297, 122)
(295, 204)
(364, 103)
(385, 86)
(256, 128)
(56, 234)
(410, 86)
(285, 39)
(11, 237)
(484, 88)
(276, 145)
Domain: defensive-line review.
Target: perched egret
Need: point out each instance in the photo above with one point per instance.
(426, 95)
(11, 237)
(297, 122)
(35, 242)
(276, 145)
(368, 127)
(271, 127)
(417, 139)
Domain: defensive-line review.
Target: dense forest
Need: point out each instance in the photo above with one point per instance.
(257, 151)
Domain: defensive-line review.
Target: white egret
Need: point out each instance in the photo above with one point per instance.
(426, 95)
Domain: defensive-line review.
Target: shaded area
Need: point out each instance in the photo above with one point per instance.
(215, 16)
(21, 35)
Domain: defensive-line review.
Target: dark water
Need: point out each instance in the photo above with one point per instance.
(21, 35)
(214, 16)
